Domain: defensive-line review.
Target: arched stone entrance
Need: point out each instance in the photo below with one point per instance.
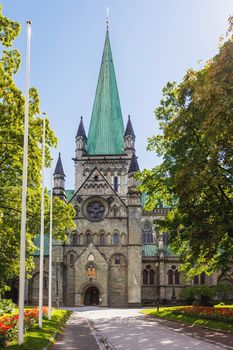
(91, 296)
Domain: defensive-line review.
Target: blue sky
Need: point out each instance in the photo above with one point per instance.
(153, 42)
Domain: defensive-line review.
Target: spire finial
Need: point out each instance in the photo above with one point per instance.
(107, 18)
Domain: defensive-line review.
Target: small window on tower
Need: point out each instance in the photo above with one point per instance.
(116, 183)
(117, 259)
(116, 239)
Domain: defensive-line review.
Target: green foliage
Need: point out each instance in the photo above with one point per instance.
(12, 108)
(6, 306)
(201, 295)
(224, 291)
(195, 177)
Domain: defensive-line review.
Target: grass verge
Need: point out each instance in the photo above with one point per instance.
(167, 314)
(37, 338)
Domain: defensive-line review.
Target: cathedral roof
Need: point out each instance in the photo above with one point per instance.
(134, 167)
(81, 129)
(36, 242)
(106, 131)
(59, 167)
(129, 128)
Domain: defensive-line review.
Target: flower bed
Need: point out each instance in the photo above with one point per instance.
(208, 313)
(9, 324)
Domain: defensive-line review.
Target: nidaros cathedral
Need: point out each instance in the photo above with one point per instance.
(115, 257)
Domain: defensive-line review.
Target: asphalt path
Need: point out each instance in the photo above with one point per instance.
(77, 335)
(129, 330)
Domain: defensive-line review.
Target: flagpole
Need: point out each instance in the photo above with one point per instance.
(50, 245)
(24, 194)
(42, 231)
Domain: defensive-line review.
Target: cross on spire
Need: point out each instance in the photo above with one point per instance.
(107, 18)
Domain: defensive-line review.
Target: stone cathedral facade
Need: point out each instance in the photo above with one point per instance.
(115, 257)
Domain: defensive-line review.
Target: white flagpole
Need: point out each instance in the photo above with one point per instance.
(24, 194)
(42, 231)
(50, 245)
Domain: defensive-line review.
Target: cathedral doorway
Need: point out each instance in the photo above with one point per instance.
(91, 296)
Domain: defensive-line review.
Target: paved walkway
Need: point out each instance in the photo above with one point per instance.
(103, 328)
(77, 336)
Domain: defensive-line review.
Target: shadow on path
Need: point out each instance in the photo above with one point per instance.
(77, 336)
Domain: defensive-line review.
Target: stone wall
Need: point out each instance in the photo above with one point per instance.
(117, 281)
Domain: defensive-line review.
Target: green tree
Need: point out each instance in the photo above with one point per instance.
(195, 177)
(12, 105)
(201, 295)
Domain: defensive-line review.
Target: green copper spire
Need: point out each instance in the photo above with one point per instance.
(106, 131)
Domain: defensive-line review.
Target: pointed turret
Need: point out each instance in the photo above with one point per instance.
(81, 130)
(59, 180)
(129, 128)
(59, 167)
(81, 140)
(129, 138)
(134, 167)
(106, 131)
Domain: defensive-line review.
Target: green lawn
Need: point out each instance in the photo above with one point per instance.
(37, 338)
(228, 306)
(166, 312)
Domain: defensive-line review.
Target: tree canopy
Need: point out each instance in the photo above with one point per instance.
(12, 106)
(195, 178)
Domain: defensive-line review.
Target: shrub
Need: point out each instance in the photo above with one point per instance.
(224, 291)
(6, 306)
(200, 295)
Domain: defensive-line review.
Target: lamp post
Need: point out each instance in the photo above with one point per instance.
(157, 284)
(50, 246)
(42, 231)
(24, 194)
(57, 298)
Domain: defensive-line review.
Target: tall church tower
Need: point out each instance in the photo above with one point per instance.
(107, 201)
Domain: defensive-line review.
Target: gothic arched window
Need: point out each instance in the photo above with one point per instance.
(71, 259)
(202, 278)
(196, 280)
(147, 233)
(177, 277)
(165, 238)
(75, 239)
(102, 239)
(45, 283)
(151, 277)
(145, 277)
(76, 212)
(115, 211)
(115, 185)
(170, 277)
(116, 239)
(117, 259)
(88, 238)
